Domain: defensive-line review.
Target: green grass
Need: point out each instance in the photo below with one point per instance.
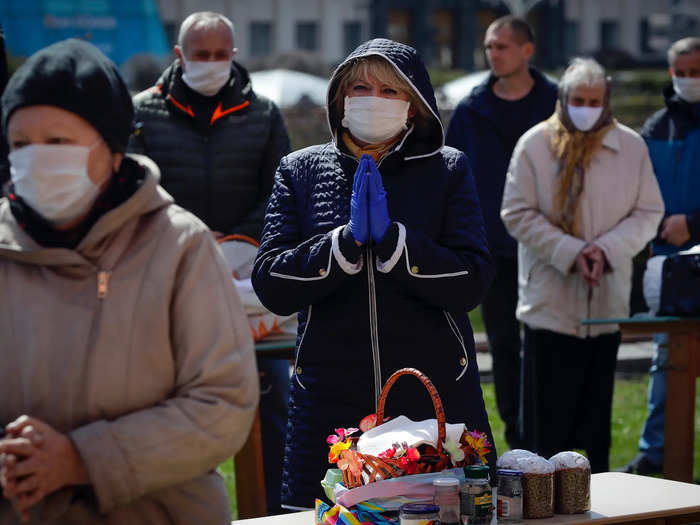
(628, 415)
(476, 320)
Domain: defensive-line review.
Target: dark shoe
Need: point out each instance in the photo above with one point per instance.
(642, 466)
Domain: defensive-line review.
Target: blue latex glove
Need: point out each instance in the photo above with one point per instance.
(378, 212)
(359, 211)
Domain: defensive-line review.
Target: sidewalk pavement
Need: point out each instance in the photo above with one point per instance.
(633, 358)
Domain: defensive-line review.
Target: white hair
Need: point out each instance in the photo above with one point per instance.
(684, 46)
(582, 72)
(202, 20)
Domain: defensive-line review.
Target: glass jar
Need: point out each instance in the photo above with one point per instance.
(475, 496)
(419, 514)
(447, 498)
(510, 495)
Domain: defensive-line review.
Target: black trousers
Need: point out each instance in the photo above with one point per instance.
(567, 397)
(503, 332)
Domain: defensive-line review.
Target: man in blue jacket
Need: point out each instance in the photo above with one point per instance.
(486, 126)
(673, 137)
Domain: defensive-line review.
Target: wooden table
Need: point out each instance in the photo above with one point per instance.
(683, 368)
(615, 498)
(250, 474)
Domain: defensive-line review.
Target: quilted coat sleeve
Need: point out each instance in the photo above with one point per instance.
(207, 416)
(290, 272)
(454, 271)
(525, 221)
(277, 146)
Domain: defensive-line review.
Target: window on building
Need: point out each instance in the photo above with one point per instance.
(401, 25)
(609, 34)
(352, 36)
(443, 23)
(260, 39)
(307, 36)
(571, 38)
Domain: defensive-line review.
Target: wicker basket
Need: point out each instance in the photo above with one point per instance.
(431, 460)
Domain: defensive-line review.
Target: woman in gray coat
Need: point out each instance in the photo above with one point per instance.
(127, 370)
(581, 199)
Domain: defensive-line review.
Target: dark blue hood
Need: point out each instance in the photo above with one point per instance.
(410, 66)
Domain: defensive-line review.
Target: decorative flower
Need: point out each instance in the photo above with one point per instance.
(368, 422)
(340, 435)
(337, 449)
(409, 462)
(479, 444)
(350, 459)
(388, 453)
(454, 450)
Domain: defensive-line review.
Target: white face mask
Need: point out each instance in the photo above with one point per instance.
(53, 180)
(206, 78)
(687, 88)
(584, 117)
(375, 119)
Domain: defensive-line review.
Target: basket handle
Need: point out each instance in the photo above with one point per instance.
(437, 403)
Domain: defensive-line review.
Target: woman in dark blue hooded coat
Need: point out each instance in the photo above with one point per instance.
(377, 240)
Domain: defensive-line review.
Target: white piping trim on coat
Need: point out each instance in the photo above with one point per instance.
(388, 265)
(345, 265)
(301, 343)
(460, 339)
(323, 275)
(293, 507)
(410, 83)
(433, 276)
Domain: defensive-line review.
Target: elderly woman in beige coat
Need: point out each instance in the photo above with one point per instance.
(581, 199)
(127, 368)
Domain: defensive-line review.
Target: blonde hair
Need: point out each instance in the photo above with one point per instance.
(382, 70)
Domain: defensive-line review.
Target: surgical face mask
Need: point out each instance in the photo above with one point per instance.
(375, 119)
(687, 88)
(584, 117)
(53, 180)
(206, 78)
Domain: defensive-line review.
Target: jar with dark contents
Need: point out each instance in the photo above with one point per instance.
(510, 495)
(419, 514)
(475, 496)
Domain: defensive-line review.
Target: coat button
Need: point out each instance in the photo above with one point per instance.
(298, 370)
(322, 271)
(414, 269)
(463, 361)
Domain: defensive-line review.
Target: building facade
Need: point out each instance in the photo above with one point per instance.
(329, 29)
(448, 33)
(640, 29)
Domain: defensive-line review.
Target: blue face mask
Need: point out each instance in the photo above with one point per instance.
(53, 180)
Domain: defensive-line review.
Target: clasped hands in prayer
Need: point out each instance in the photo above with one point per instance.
(369, 215)
(36, 460)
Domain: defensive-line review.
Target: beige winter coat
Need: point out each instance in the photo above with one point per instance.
(155, 381)
(621, 208)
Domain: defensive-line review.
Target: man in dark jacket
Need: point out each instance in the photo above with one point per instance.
(673, 137)
(215, 141)
(218, 145)
(486, 125)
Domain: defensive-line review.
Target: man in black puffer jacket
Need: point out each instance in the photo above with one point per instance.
(216, 142)
(217, 145)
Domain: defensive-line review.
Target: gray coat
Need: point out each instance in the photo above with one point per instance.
(155, 382)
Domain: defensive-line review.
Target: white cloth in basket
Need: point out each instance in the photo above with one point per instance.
(400, 430)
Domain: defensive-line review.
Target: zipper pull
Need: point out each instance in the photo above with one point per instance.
(103, 283)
